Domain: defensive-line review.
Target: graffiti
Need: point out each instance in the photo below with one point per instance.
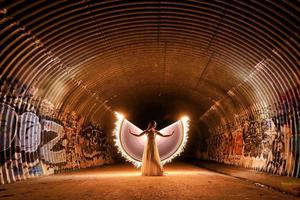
(8, 126)
(20, 137)
(252, 138)
(91, 142)
(30, 132)
(94, 145)
(267, 141)
(28, 140)
(238, 143)
(72, 126)
(276, 161)
(37, 139)
(50, 150)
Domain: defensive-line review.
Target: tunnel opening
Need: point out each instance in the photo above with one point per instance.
(68, 66)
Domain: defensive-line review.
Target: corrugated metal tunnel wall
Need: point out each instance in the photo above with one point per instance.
(66, 65)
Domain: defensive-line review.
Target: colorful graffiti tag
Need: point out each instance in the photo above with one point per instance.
(36, 139)
(269, 143)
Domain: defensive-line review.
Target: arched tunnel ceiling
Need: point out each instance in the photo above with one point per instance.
(98, 55)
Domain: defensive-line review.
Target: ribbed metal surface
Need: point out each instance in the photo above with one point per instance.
(230, 53)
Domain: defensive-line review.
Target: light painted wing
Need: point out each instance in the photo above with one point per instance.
(172, 146)
(132, 147)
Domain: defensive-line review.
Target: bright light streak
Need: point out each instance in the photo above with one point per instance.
(117, 141)
(184, 121)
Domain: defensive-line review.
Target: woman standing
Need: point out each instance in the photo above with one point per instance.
(151, 165)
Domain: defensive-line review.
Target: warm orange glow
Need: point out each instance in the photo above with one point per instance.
(118, 126)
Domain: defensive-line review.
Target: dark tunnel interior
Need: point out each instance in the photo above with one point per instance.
(67, 66)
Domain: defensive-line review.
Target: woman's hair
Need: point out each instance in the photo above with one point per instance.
(152, 124)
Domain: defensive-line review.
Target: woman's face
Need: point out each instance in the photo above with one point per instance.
(152, 124)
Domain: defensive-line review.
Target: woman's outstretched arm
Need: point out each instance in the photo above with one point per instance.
(138, 135)
(162, 135)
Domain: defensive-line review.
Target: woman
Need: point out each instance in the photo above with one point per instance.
(151, 161)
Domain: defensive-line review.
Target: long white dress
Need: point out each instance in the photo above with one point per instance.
(151, 165)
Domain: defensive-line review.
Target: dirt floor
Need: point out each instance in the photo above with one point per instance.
(285, 184)
(182, 181)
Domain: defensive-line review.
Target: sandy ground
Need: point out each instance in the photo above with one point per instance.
(285, 184)
(182, 181)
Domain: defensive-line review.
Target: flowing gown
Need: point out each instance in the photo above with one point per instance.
(151, 165)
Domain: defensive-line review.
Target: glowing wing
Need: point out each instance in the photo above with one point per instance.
(132, 147)
(171, 147)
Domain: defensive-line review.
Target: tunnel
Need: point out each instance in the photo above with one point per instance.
(70, 68)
